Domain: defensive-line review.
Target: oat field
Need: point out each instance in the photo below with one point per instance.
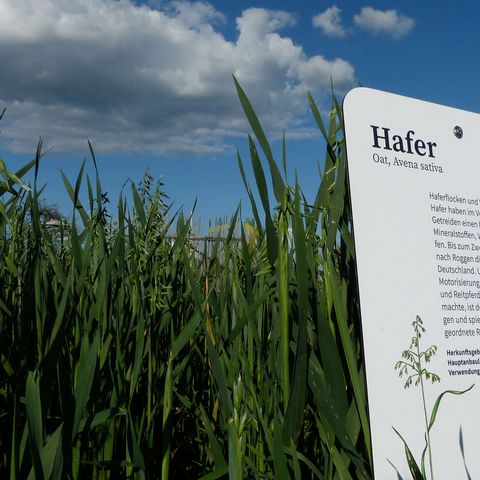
(126, 354)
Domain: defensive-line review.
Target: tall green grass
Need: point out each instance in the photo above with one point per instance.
(125, 354)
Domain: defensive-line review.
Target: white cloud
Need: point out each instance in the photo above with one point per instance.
(389, 22)
(194, 14)
(330, 22)
(149, 78)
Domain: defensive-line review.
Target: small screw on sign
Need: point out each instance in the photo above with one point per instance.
(458, 132)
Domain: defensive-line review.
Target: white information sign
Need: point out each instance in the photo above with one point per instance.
(414, 172)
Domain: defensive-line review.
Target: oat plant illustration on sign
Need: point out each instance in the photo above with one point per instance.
(412, 366)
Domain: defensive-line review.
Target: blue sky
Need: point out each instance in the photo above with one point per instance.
(149, 83)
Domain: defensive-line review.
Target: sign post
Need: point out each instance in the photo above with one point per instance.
(414, 172)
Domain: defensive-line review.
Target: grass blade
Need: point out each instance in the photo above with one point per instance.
(35, 423)
(278, 184)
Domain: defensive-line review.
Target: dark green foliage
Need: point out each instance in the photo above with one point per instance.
(125, 354)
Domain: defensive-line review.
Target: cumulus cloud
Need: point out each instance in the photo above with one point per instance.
(149, 77)
(389, 22)
(330, 22)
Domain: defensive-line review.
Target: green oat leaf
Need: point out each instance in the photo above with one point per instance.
(279, 460)
(186, 334)
(35, 424)
(272, 241)
(335, 293)
(296, 403)
(73, 194)
(219, 472)
(86, 372)
(253, 204)
(278, 184)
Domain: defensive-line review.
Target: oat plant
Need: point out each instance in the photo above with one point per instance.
(413, 367)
